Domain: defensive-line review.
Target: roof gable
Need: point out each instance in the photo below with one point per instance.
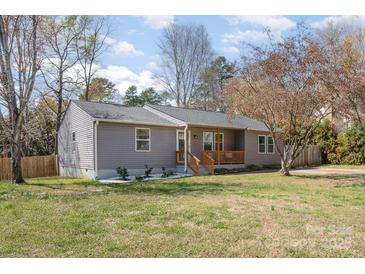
(121, 113)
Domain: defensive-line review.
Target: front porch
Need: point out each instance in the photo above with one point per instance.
(210, 159)
(209, 147)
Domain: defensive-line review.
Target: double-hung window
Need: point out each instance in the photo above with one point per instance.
(219, 143)
(262, 144)
(208, 141)
(266, 144)
(270, 145)
(212, 142)
(143, 139)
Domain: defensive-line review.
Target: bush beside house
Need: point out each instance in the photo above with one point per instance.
(347, 147)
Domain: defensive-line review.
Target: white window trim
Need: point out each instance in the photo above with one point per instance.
(135, 140)
(212, 139)
(267, 145)
(216, 133)
(258, 144)
(177, 139)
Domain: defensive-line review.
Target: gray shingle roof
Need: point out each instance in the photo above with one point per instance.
(213, 119)
(141, 115)
(121, 113)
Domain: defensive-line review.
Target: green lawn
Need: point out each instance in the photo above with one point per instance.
(251, 215)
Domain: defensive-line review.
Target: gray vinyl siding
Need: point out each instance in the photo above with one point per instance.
(79, 154)
(239, 140)
(197, 143)
(116, 147)
(252, 156)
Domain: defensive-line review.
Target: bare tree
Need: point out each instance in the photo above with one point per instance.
(19, 64)
(89, 46)
(4, 133)
(279, 84)
(344, 45)
(185, 51)
(58, 69)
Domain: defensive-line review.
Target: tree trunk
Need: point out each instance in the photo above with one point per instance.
(16, 165)
(285, 166)
(284, 170)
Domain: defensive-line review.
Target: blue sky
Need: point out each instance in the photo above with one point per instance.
(132, 55)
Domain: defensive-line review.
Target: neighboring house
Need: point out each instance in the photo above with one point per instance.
(342, 121)
(96, 138)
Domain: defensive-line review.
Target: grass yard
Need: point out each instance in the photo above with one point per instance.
(250, 215)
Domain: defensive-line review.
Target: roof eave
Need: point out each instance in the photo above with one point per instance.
(216, 126)
(131, 122)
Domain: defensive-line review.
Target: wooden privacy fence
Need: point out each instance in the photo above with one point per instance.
(34, 166)
(310, 156)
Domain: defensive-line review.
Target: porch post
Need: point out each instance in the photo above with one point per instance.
(186, 148)
(218, 149)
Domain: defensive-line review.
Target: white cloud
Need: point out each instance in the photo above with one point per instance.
(158, 21)
(123, 48)
(274, 22)
(152, 66)
(123, 78)
(231, 49)
(343, 19)
(250, 36)
(276, 25)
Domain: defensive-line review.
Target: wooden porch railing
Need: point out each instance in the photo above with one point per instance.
(226, 156)
(193, 161)
(179, 157)
(210, 158)
(208, 163)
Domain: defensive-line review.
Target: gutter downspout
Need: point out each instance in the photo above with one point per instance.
(96, 149)
(186, 149)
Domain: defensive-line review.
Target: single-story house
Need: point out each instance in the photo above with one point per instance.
(96, 138)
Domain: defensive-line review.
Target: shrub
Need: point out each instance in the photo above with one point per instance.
(223, 170)
(166, 173)
(325, 136)
(252, 167)
(139, 178)
(350, 146)
(122, 172)
(347, 147)
(148, 171)
(271, 167)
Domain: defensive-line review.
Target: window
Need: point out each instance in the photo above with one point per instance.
(270, 144)
(262, 144)
(219, 145)
(180, 144)
(143, 139)
(207, 140)
(73, 144)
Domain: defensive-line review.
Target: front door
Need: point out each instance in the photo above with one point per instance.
(180, 141)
